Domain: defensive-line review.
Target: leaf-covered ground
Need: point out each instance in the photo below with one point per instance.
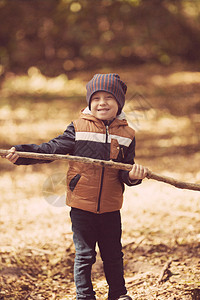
(161, 230)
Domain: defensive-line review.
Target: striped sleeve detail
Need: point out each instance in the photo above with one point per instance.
(101, 138)
(124, 141)
(90, 136)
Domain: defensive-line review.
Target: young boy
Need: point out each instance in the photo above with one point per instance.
(95, 193)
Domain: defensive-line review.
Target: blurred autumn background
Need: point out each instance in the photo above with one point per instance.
(48, 51)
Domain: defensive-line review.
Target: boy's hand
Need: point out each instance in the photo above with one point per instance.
(138, 172)
(12, 156)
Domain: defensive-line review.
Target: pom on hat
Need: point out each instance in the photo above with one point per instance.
(110, 83)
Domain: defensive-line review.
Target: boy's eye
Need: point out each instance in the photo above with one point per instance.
(97, 98)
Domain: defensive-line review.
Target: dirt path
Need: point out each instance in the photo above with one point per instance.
(160, 223)
(161, 229)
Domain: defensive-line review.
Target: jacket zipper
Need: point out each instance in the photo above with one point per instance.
(102, 175)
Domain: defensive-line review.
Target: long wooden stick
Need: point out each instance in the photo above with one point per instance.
(110, 164)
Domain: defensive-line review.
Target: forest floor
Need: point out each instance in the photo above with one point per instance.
(161, 229)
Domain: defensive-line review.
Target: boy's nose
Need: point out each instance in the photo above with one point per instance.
(101, 101)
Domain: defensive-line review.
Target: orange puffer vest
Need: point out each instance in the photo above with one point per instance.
(94, 188)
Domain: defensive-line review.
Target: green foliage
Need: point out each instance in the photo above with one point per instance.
(66, 35)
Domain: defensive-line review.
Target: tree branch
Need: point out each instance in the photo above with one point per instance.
(165, 272)
(103, 163)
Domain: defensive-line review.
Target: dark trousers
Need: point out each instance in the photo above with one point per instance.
(90, 229)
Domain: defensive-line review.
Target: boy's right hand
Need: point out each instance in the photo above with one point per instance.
(12, 156)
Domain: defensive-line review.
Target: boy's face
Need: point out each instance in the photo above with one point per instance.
(104, 106)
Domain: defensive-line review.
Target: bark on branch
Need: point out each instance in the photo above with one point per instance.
(110, 164)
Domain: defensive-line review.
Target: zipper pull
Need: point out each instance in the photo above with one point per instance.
(122, 151)
(107, 133)
(107, 130)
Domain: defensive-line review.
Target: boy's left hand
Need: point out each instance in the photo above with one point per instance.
(138, 172)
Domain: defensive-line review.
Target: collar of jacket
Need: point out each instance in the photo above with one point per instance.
(120, 119)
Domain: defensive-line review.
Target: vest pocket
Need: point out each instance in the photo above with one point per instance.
(74, 182)
(114, 149)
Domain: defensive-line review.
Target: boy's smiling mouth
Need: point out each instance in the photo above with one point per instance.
(103, 109)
